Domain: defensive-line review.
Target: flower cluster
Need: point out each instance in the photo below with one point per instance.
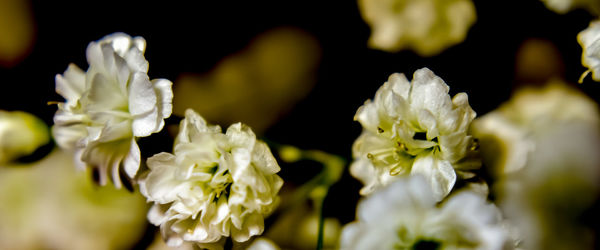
(509, 132)
(417, 142)
(542, 149)
(109, 106)
(213, 185)
(426, 26)
(404, 215)
(413, 127)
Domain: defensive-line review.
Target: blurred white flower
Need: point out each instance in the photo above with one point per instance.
(263, 244)
(507, 134)
(214, 185)
(20, 134)
(413, 127)
(404, 215)
(542, 146)
(589, 39)
(426, 26)
(110, 105)
(564, 6)
(47, 205)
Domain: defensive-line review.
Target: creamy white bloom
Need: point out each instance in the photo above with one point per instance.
(542, 147)
(413, 127)
(263, 244)
(564, 6)
(426, 26)
(404, 215)
(214, 185)
(589, 39)
(110, 105)
(507, 133)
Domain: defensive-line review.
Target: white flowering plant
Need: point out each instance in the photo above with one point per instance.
(440, 155)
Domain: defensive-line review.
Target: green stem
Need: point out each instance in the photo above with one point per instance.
(321, 222)
(318, 187)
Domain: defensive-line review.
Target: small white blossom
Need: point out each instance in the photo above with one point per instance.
(214, 185)
(404, 215)
(426, 26)
(589, 39)
(110, 105)
(413, 127)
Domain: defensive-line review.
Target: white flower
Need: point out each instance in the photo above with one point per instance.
(110, 105)
(426, 26)
(542, 146)
(214, 185)
(589, 39)
(507, 134)
(404, 215)
(549, 200)
(413, 127)
(564, 6)
(20, 134)
(47, 205)
(263, 244)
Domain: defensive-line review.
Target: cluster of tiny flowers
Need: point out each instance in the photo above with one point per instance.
(213, 185)
(413, 128)
(414, 146)
(109, 106)
(425, 26)
(404, 215)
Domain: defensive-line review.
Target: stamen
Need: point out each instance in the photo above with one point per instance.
(380, 130)
(383, 156)
(397, 169)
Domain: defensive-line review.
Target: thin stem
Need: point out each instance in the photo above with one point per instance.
(321, 222)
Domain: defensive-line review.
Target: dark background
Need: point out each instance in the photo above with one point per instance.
(193, 36)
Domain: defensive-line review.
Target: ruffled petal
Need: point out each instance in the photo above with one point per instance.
(439, 174)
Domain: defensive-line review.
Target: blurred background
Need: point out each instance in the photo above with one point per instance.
(296, 71)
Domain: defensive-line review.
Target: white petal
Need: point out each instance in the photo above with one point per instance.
(439, 173)
(104, 94)
(71, 84)
(94, 55)
(67, 137)
(143, 106)
(241, 135)
(263, 159)
(131, 163)
(253, 225)
(429, 92)
(399, 84)
(164, 93)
